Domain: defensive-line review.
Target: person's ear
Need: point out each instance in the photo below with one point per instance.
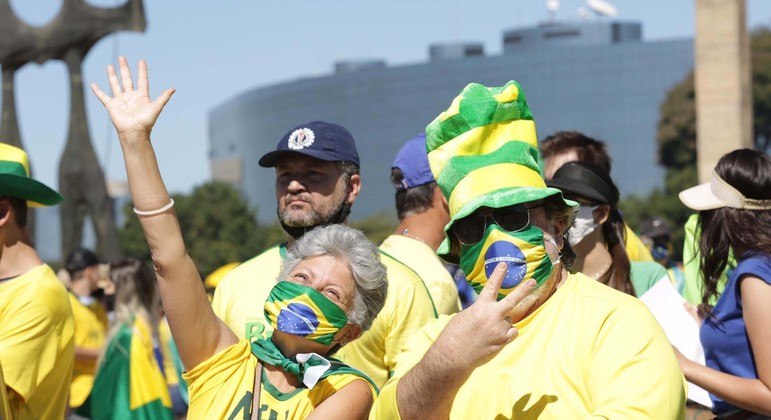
(560, 227)
(354, 187)
(441, 199)
(6, 212)
(601, 214)
(347, 334)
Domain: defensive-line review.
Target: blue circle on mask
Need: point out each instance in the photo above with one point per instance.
(503, 251)
(297, 319)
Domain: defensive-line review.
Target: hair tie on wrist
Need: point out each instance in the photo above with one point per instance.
(155, 212)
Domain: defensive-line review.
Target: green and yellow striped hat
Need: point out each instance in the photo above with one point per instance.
(16, 182)
(483, 152)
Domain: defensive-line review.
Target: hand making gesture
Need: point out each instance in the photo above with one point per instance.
(130, 109)
(482, 330)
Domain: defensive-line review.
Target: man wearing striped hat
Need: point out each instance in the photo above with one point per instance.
(36, 325)
(540, 341)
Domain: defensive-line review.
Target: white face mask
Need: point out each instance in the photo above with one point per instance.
(583, 226)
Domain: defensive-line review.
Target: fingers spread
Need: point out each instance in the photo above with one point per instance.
(103, 97)
(112, 77)
(164, 98)
(125, 75)
(143, 85)
(490, 291)
(510, 301)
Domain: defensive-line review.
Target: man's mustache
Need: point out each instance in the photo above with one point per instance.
(302, 197)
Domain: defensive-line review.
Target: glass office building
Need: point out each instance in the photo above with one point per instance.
(598, 77)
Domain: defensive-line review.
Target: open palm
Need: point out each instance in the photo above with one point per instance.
(131, 110)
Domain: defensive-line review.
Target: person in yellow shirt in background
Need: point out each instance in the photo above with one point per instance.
(539, 342)
(36, 326)
(91, 322)
(422, 211)
(571, 146)
(215, 277)
(317, 182)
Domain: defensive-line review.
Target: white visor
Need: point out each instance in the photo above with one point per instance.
(718, 193)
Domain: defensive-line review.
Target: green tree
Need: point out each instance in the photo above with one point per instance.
(216, 222)
(377, 227)
(676, 140)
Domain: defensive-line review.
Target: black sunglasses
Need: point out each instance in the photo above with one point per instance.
(471, 229)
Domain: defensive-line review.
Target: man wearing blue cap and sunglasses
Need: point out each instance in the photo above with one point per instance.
(317, 182)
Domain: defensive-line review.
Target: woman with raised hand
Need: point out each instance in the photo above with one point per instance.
(735, 218)
(333, 285)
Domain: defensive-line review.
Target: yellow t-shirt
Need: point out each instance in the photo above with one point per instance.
(90, 330)
(239, 300)
(588, 352)
(37, 349)
(423, 260)
(5, 408)
(221, 388)
(635, 248)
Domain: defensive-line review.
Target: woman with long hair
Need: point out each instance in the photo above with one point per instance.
(331, 287)
(735, 217)
(598, 234)
(130, 381)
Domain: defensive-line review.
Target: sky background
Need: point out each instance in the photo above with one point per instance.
(213, 51)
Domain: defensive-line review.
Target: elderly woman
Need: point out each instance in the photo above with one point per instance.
(333, 285)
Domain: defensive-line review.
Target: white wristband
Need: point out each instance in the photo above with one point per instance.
(155, 212)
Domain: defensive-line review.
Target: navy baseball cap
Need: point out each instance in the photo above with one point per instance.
(319, 139)
(412, 160)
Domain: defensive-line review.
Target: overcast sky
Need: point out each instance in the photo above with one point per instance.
(212, 51)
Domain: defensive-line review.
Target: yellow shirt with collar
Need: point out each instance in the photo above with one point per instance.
(588, 352)
(90, 333)
(221, 388)
(423, 260)
(239, 298)
(37, 348)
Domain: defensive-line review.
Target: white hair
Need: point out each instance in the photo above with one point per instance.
(362, 257)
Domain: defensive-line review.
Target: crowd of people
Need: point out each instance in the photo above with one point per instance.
(511, 288)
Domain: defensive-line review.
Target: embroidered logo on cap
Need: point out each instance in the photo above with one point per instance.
(301, 138)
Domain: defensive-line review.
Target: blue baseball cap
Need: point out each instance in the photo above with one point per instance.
(412, 160)
(319, 139)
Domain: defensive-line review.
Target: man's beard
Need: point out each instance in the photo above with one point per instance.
(299, 227)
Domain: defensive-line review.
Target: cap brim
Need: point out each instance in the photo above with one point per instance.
(700, 198)
(577, 188)
(269, 159)
(36, 193)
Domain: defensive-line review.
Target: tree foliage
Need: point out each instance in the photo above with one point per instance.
(216, 222)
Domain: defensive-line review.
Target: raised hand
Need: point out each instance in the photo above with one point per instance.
(482, 330)
(131, 109)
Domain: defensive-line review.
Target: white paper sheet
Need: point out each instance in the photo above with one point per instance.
(681, 329)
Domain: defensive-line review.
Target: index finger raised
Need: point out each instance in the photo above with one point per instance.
(493, 285)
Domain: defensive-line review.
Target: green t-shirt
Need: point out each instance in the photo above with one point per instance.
(645, 275)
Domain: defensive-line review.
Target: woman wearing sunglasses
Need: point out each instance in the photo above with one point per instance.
(735, 217)
(332, 287)
(597, 236)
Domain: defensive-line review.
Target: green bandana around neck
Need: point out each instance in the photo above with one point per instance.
(300, 310)
(308, 368)
(523, 251)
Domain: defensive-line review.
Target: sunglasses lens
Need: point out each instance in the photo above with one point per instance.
(513, 218)
(470, 229)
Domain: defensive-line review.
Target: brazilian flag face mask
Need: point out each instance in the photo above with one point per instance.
(300, 310)
(523, 251)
